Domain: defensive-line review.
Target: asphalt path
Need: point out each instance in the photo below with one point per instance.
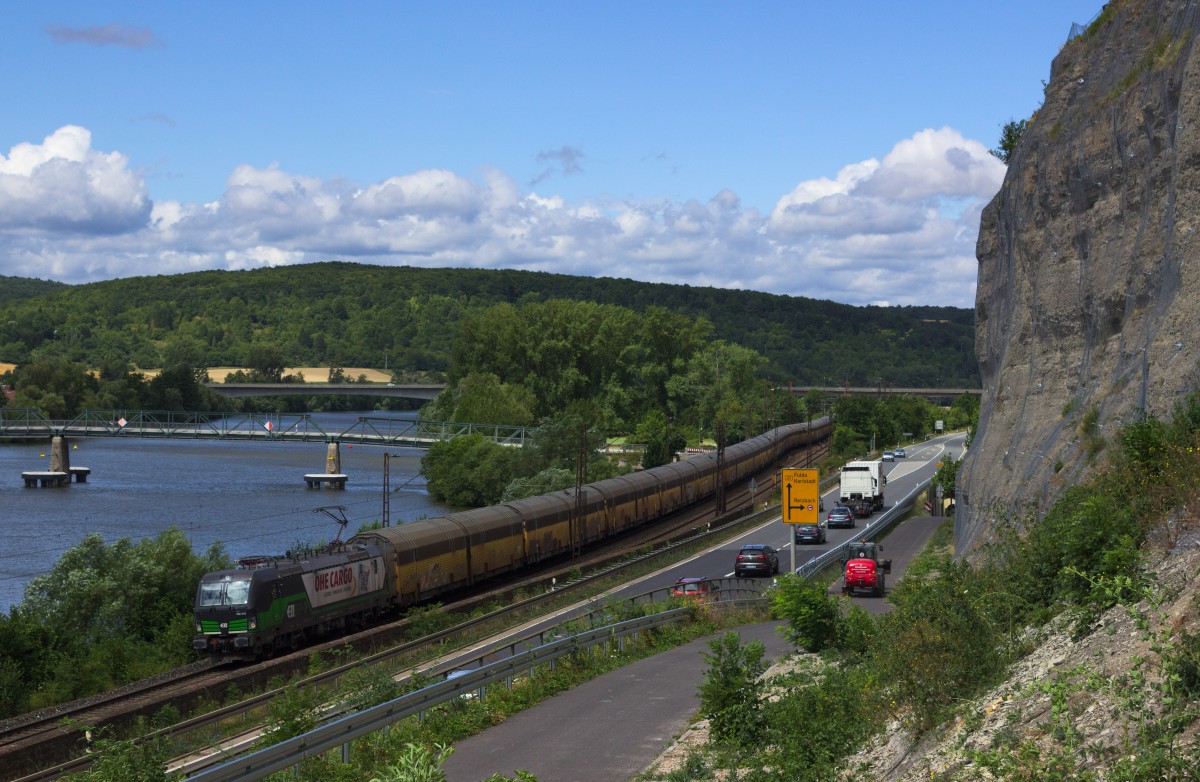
(614, 726)
(607, 729)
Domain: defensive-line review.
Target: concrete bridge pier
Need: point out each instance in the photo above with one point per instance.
(61, 472)
(60, 457)
(333, 477)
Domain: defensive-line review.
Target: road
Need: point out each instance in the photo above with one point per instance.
(613, 727)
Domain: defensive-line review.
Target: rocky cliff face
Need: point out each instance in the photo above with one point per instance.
(1089, 263)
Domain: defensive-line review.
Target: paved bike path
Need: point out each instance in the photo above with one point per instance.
(606, 730)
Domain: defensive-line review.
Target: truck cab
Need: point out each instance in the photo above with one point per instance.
(864, 569)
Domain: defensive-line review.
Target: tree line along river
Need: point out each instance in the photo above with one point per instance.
(250, 496)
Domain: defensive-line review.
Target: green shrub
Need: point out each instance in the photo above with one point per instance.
(125, 760)
(817, 721)
(813, 615)
(731, 693)
(941, 643)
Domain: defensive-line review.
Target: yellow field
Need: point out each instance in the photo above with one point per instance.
(6, 367)
(311, 374)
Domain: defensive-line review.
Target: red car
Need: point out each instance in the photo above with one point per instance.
(695, 589)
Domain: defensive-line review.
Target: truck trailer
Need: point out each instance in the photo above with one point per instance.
(862, 486)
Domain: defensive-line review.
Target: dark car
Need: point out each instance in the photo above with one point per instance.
(756, 559)
(840, 516)
(695, 588)
(810, 533)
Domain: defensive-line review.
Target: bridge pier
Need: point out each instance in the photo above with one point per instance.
(60, 457)
(333, 477)
(61, 472)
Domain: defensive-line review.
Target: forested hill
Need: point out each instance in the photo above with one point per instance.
(14, 288)
(349, 314)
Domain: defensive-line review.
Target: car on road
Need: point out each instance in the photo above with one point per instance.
(695, 589)
(811, 533)
(840, 516)
(888, 456)
(756, 559)
(900, 453)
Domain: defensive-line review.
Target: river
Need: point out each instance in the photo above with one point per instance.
(249, 496)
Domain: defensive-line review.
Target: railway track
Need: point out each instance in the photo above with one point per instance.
(47, 744)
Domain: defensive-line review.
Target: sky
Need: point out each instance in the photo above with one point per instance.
(830, 150)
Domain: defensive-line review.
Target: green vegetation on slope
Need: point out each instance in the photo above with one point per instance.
(17, 288)
(956, 628)
(346, 314)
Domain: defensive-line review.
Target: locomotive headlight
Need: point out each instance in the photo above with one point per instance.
(253, 623)
(199, 629)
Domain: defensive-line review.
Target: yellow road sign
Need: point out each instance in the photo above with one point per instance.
(801, 497)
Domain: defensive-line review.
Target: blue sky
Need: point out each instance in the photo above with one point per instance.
(823, 149)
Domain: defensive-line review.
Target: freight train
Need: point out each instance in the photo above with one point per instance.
(276, 603)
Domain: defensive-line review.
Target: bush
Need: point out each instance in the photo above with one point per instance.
(731, 693)
(813, 615)
(940, 644)
(816, 722)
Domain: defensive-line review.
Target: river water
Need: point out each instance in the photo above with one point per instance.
(250, 496)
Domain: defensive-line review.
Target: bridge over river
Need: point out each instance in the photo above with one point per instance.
(30, 424)
(422, 391)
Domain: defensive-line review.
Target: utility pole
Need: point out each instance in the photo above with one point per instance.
(580, 479)
(720, 511)
(387, 494)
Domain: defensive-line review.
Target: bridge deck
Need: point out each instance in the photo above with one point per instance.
(367, 430)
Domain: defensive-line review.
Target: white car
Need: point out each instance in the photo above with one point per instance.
(888, 457)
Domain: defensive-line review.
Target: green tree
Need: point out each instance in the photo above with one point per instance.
(813, 615)
(1010, 136)
(187, 351)
(467, 471)
(661, 441)
(112, 613)
(24, 640)
(964, 412)
(483, 399)
(947, 475)
(57, 387)
(266, 363)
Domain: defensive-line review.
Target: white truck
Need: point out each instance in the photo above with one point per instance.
(862, 486)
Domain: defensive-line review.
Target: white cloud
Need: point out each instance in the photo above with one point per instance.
(64, 186)
(899, 230)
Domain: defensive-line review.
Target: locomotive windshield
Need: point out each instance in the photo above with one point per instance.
(225, 593)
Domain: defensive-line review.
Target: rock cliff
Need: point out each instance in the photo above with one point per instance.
(1089, 296)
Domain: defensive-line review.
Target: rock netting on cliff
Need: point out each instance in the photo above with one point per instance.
(1088, 297)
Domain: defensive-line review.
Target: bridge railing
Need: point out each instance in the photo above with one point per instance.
(24, 422)
(155, 424)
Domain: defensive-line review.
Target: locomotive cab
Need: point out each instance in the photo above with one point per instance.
(227, 607)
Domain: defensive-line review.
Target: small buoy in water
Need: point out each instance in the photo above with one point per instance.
(41, 454)
(75, 447)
